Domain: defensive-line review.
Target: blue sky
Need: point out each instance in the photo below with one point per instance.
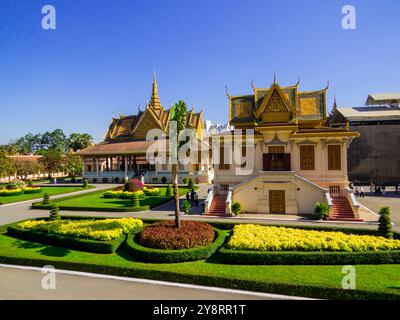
(101, 57)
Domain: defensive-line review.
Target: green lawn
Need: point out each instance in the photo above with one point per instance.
(52, 191)
(96, 200)
(314, 281)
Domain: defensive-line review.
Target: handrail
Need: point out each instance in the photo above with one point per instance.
(228, 202)
(209, 199)
(355, 205)
(328, 199)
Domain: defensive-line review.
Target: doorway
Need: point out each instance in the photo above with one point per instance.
(277, 201)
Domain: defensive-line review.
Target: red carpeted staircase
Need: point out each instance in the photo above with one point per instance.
(341, 210)
(217, 207)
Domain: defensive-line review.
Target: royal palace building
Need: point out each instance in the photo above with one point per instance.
(298, 160)
(122, 154)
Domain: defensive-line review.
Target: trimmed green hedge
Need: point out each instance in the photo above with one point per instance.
(66, 242)
(229, 256)
(146, 254)
(32, 191)
(72, 208)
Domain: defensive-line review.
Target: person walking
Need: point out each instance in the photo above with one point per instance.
(187, 196)
(192, 193)
(357, 191)
(383, 190)
(196, 199)
(362, 195)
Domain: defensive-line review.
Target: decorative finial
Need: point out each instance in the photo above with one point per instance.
(226, 91)
(327, 86)
(298, 81)
(112, 115)
(334, 99)
(252, 85)
(274, 77)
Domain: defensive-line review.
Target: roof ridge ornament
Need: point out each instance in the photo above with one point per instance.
(252, 85)
(227, 93)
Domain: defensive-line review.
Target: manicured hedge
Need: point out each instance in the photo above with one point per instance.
(302, 290)
(228, 256)
(72, 208)
(66, 242)
(33, 190)
(142, 253)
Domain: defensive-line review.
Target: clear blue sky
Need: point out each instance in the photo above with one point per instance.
(101, 57)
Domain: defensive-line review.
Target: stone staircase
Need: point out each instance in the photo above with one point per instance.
(218, 206)
(341, 210)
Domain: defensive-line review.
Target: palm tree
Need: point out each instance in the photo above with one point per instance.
(177, 120)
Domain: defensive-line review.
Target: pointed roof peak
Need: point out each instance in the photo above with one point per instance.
(154, 100)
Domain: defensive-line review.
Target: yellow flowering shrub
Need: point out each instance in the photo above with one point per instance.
(266, 238)
(122, 194)
(11, 192)
(101, 229)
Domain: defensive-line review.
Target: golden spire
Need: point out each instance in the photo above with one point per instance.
(154, 101)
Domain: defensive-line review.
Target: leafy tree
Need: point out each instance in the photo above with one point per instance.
(46, 198)
(73, 165)
(135, 200)
(52, 161)
(190, 184)
(169, 192)
(55, 140)
(177, 120)
(186, 206)
(79, 141)
(54, 213)
(385, 224)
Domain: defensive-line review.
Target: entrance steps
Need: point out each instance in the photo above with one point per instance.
(218, 206)
(341, 210)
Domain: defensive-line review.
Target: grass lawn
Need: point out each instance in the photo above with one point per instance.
(315, 281)
(52, 191)
(95, 200)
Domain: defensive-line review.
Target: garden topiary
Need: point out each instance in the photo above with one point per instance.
(85, 183)
(169, 192)
(236, 208)
(190, 184)
(29, 183)
(321, 210)
(54, 213)
(135, 201)
(186, 206)
(164, 179)
(385, 224)
(185, 180)
(46, 198)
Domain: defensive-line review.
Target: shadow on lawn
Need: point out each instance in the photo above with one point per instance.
(44, 249)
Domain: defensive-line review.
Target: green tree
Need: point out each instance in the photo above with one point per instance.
(79, 141)
(186, 206)
(385, 223)
(46, 198)
(169, 192)
(73, 165)
(53, 161)
(177, 124)
(236, 208)
(190, 184)
(55, 140)
(135, 201)
(54, 213)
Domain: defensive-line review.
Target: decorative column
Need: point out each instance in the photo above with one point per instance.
(126, 167)
(83, 167)
(97, 167)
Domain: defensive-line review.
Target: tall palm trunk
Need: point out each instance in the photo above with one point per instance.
(176, 195)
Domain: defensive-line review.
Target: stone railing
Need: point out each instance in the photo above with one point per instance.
(209, 199)
(228, 202)
(355, 206)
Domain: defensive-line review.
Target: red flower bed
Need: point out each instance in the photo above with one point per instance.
(164, 235)
(133, 185)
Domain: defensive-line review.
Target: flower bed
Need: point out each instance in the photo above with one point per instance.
(91, 235)
(164, 235)
(11, 192)
(120, 194)
(146, 254)
(103, 230)
(267, 238)
(30, 190)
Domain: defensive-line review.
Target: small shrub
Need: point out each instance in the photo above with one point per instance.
(85, 183)
(16, 184)
(164, 179)
(186, 206)
(169, 192)
(321, 210)
(385, 224)
(185, 180)
(46, 198)
(165, 235)
(135, 200)
(104, 180)
(29, 183)
(116, 179)
(155, 180)
(236, 208)
(94, 180)
(190, 184)
(54, 213)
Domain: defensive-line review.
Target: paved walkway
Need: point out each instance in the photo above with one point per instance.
(26, 283)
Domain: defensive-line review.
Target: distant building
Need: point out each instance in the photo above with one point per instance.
(375, 155)
(215, 128)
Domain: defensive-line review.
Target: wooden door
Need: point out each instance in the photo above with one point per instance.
(277, 201)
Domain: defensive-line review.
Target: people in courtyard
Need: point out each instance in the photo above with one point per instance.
(196, 199)
(187, 196)
(396, 188)
(383, 190)
(371, 187)
(361, 190)
(192, 193)
(357, 191)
